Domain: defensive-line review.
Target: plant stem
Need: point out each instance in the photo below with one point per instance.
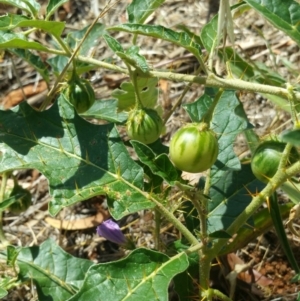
(280, 177)
(210, 81)
(179, 100)
(176, 223)
(157, 219)
(2, 194)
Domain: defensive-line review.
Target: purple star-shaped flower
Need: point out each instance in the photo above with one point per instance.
(111, 231)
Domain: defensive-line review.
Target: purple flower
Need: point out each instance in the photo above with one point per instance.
(111, 231)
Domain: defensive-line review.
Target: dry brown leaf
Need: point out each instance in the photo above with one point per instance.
(78, 224)
(245, 271)
(16, 96)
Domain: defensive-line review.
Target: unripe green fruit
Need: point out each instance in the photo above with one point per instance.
(266, 159)
(194, 148)
(144, 125)
(80, 94)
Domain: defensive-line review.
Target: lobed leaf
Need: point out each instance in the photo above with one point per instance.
(79, 159)
(143, 275)
(147, 89)
(56, 274)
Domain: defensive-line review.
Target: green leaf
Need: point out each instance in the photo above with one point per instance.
(291, 136)
(3, 292)
(185, 281)
(35, 61)
(91, 41)
(220, 234)
(156, 31)
(138, 11)
(56, 274)
(280, 231)
(260, 223)
(143, 275)
(159, 165)
(11, 21)
(12, 40)
(9, 201)
(106, 110)
(147, 89)
(52, 6)
(30, 6)
(130, 56)
(230, 195)
(133, 58)
(113, 44)
(284, 15)
(80, 159)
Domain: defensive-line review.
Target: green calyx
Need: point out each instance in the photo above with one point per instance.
(144, 125)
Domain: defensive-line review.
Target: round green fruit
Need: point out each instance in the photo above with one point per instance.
(194, 148)
(266, 159)
(144, 125)
(23, 199)
(80, 94)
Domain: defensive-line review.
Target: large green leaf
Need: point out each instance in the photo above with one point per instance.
(79, 159)
(138, 11)
(283, 14)
(178, 38)
(230, 195)
(30, 6)
(11, 21)
(143, 275)
(56, 274)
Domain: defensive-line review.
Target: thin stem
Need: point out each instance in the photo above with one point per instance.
(157, 218)
(179, 100)
(219, 295)
(209, 81)
(2, 195)
(279, 178)
(177, 224)
(292, 100)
